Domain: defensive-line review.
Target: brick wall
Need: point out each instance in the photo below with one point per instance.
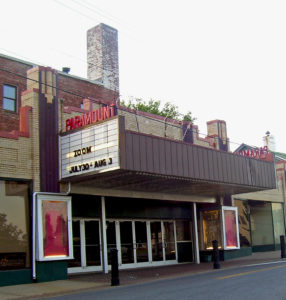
(10, 120)
(153, 126)
(78, 89)
(16, 158)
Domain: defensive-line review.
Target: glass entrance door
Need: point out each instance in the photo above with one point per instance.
(163, 240)
(111, 238)
(156, 241)
(76, 262)
(126, 241)
(169, 240)
(86, 246)
(141, 242)
(92, 243)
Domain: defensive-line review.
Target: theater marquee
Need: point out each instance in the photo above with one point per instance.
(91, 150)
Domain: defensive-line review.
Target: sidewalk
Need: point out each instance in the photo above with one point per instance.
(93, 281)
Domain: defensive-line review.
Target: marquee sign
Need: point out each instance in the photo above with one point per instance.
(90, 150)
(258, 153)
(92, 117)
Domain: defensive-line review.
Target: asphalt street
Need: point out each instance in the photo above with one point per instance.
(263, 281)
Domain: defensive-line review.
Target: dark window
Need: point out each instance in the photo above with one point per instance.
(9, 97)
(14, 225)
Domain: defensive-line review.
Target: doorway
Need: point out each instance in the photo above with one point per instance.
(139, 243)
(86, 246)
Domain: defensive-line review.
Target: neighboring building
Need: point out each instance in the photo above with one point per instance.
(143, 184)
(262, 214)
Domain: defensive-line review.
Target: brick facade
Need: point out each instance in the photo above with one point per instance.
(10, 120)
(20, 131)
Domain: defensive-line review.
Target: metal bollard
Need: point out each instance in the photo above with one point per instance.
(114, 268)
(282, 244)
(216, 255)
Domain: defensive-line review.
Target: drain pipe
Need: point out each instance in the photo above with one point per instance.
(34, 221)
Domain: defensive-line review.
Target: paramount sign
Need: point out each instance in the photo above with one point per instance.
(92, 117)
(258, 153)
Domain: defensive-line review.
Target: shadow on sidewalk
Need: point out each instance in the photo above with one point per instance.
(140, 275)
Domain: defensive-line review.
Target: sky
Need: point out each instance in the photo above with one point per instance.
(219, 59)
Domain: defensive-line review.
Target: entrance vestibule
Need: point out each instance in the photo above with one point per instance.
(139, 243)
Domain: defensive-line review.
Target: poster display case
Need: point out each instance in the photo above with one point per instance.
(221, 225)
(54, 228)
(230, 227)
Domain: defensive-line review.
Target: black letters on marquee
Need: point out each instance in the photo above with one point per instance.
(87, 166)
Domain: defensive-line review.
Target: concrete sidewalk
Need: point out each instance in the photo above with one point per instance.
(93, 281)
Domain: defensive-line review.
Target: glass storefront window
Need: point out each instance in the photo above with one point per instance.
(230, 227)
(183, 230)
(261, 223)
(14, 225)
(211, 228)
(243, 223)
(278, 221)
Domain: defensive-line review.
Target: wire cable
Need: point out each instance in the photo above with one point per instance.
(87, 97)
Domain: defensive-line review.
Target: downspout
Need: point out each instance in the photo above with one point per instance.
(35, 194)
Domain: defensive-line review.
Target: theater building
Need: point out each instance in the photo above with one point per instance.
(81, 175)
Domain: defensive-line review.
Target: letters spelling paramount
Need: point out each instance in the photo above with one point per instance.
(92, 117)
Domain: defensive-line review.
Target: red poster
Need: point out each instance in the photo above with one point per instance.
(55, 227)
(230, 229)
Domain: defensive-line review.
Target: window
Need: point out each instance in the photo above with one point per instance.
(9, 97)
(278, 221)
(211, 228)
(261, 223)
(243, 222)
(14, 225)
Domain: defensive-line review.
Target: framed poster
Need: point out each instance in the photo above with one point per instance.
(54, 228)
(230, 228)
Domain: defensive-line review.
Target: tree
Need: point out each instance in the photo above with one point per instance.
(169, 110)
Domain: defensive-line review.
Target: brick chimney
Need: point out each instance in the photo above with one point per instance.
(102, 56)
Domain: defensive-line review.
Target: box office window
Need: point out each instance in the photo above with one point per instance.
(183, 230)
(14, 225)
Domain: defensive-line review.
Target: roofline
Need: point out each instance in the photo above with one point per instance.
(58, 71)
(80, 78)
(18, 60)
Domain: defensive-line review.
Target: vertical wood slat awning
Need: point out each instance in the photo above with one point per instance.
(209, 168)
